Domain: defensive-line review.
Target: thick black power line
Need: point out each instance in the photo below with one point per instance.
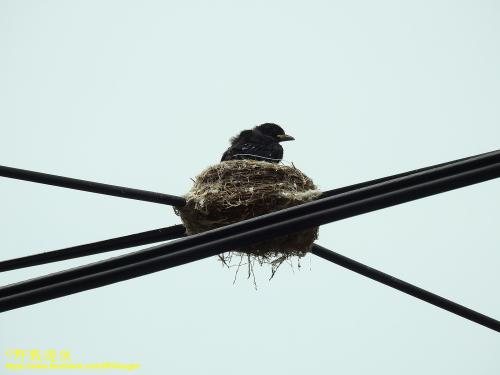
(405, 287)
(223, 239)
(124, 242)
(90, 186)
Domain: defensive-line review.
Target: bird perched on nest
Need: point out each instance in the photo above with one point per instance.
(260, 143)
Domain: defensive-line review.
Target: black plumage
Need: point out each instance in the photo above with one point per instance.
(260, 143)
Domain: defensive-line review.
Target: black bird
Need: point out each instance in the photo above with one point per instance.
(260, 143)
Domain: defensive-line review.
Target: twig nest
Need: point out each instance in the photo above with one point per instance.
(237, 190)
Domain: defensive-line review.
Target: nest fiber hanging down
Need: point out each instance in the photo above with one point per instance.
(237, 190)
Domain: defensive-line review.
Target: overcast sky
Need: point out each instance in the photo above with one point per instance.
(146, 94)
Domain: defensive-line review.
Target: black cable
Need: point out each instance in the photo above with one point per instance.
(405, 287)
(93, 187)
(219, 240)
(451, 167)
(124, 242)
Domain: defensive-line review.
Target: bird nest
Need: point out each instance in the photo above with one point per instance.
(237, 190)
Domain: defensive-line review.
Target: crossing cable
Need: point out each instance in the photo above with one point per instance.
(123, 242)
(227, 238)
(455, 165)
(405, 287)
(90, 186)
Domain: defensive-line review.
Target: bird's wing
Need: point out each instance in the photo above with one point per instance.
(246, 149)
(249, 147)
(225, 155)
(257, 149)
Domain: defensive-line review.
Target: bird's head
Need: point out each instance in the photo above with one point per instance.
(274, 131)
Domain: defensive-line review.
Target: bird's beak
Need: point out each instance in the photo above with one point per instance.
(285, 137)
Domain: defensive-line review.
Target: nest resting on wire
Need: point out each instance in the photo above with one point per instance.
(237, 190)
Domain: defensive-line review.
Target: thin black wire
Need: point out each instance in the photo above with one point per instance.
(442, 169)
(220, 240)
(405, 287)
(90, 186)
(124, 242)
(455, 166)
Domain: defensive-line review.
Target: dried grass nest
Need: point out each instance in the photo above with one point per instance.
(237, 190)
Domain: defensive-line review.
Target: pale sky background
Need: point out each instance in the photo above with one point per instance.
(147, 93)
